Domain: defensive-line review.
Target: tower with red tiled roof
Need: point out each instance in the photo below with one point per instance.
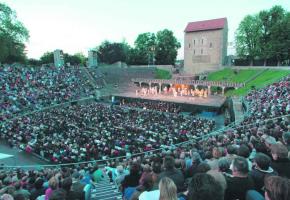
(205, 45)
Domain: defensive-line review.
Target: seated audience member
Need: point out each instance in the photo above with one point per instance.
(97, 174)
(203, 168)
(20, 196)
(132, 179)
(254, 195)
(244, 151)
(286, 140)
(270, 141)
(220, 178)
(231, 153)
(224, 165)
(147, 185)
(38, 189)
(53, 185)
(261, 169)
(195, 161)
(58, 194)
(77, 187)
(66, 186)
(240, 181)
(217, 152)
(281, 163)
(277, 188)
(204, 186)
(170, 172)
(6, 197)
(146, 171)
(119, 175)
(20, 190)
(156, 170)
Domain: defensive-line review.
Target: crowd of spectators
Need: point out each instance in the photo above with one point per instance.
(249, 161)
(99, 131)
(26, 89)
(153, 105)
(193, 176)
(66, 183)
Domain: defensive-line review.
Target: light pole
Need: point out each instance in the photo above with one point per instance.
(153, 54)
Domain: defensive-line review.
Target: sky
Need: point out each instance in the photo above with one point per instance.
(79, 25)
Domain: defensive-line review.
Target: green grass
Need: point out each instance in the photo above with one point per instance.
(266, 78)
(230, 75)
(220, 75)
(162, 74)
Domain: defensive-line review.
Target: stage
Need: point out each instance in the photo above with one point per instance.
(188, 103)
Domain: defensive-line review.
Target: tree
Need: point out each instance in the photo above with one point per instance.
(82, 58)
(166, 47)
(33, 62)
(135, 57)
(144, 44)
(126, 49)
(13, 34)
(248, 37)
(279, 33)
(286, 52)
(111, 52)
(47, 58)
(75, 59)
(265, 36)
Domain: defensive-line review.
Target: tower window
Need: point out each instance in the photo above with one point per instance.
(210, 45)
(201, 51)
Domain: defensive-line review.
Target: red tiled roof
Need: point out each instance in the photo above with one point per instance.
(206, 25)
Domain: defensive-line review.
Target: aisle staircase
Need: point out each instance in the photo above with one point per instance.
(105, 190)
(238, 109)
(90, 77)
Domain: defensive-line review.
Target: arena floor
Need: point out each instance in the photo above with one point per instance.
(18, 157)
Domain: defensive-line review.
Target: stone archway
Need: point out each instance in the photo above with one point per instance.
(229, 88)
(144, 85)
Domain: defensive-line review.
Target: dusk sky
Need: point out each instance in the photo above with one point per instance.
(79, 25)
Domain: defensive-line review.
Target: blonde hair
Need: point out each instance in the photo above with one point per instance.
(53, 183)
(168, 190)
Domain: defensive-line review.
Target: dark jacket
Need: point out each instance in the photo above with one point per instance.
(177, 177)
(78, 190)
(258, 177)
(237, 187)
(131, 180)
(282, 166)
(191, 170)
(36, 193)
